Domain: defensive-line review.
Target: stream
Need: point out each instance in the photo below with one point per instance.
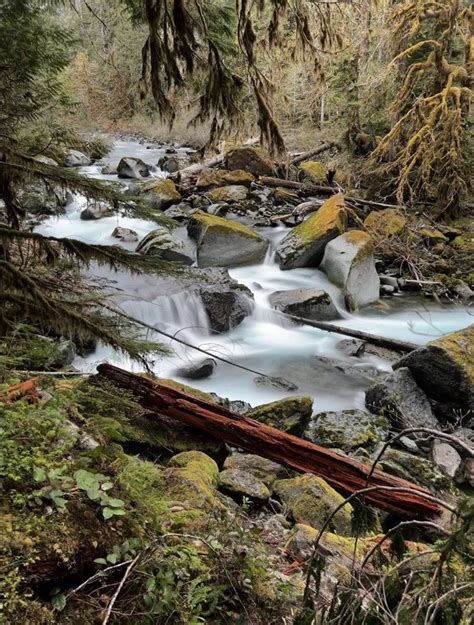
(264, 341)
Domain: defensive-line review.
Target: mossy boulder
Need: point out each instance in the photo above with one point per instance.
(385, 223)
(253, 160)
(263, 469)
(230, 193)
(417, 469)
(161, 193)
(239, 483)
(163, 245)
(291, 414)
(304, 245)
(300, 542)
(349, 262)
(347, 429)
(308, 303)
(444, 369)
(433, 235)
(131, 167)
(225, 243)
(220, 177)
(310, 500)
(315, 171)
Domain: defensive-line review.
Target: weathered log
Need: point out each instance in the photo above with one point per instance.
(26, 389)
(326, 145)
(380, 341)
(343, 473)
(303, 187)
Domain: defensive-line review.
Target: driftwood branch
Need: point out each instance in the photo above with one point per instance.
(342, 472)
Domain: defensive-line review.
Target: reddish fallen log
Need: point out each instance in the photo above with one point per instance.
(343, 473)
(26, 389)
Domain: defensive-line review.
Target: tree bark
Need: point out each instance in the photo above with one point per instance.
(307, 155)
(343, 473)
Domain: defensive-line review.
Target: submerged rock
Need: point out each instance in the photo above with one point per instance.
(291, 414)
(304, 245)
(97, 210)
(308, 303)
(310, 500)
(348, 262)
(241, 483)
(163, 245)
(224, 243)
(399, 399)
(253, 160)
(347, 429)
(131, 167)
(444, 369)
(198, 370)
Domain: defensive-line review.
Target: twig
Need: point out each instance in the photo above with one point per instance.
(120, 586)
(97, 575)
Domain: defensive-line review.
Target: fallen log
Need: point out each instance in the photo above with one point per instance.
(26, 389)
(304, 187)
(380, 341)
(343, 473)
(326, 145)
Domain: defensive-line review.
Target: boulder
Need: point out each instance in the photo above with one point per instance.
(446, 458)
(226, 307)
(347, 429)
(444, 369)
(415, 468)
(161, 193)
(385, 223)
(401, 401)
(38, 198)
(253, 160)
(198, 370)
(131, 167)
(348, 262)
(225, 243)
(127, 235)
(265, 470)
(220, 177)
(467, 473)
(171, 163)
(163, 245)
(308, 303)
(96, 210)
(310, 500)
(240, 483)
(315, 171)
(74, 158)
(229, 193)
(291, 414)
(304, 245)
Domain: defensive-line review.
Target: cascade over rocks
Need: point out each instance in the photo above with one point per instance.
(444, 369)
(348, 262)
(253, 160)
(304, 245)
(308, 303)
(163, 245)
(97, 210)
(131, 167)
(225, 243)
(399, 399)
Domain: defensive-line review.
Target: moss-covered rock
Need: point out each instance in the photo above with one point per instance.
(253, 160)
(308, 303)
(385, 223)
(348, 262)
(161, 193)
(300, 541)
(291, 414)
(162, 244)
(240, 483)
(220, 177)
(265, 470)
(225, 243)
(310, 500)
(417, 469)
(347, 429)
(315, 171)
(433, 235)
(304, 245)
(230, 193)
(444, 369)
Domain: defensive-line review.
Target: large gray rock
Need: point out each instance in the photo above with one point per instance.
(446, 458)
(39, 199)
(348, 262)
(74, 158)
(444, 369)
(230, 193)
(198, 370)
(241, 483)
(308, 303)
(161, 244)
(290, 414)
(131, 167)
(265, 470)
(225, 243)
(226, 307)
(160, 193)
(253, 160)
(347, 429)
(304, 245)
(96, 210)
(125, 234)
(399, 399)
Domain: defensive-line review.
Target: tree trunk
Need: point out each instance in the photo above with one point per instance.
(341, 472)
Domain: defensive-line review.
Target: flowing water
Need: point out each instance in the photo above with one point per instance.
(264, 341)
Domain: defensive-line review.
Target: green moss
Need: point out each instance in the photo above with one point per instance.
(164, 186)
(220, 177)
(363, 241)
(225, 225)
(315, 170)
(386, 222)
(291, 414)
(311, 500)
(459, 346)
(416, 469)
(330, 216)
(349, 429)
(199, 463)
(190, 390)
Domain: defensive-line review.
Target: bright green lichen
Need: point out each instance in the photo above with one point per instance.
(331, 216)
(224, 225)
(291, 414)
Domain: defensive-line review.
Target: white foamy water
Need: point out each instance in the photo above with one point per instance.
(265, 341)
